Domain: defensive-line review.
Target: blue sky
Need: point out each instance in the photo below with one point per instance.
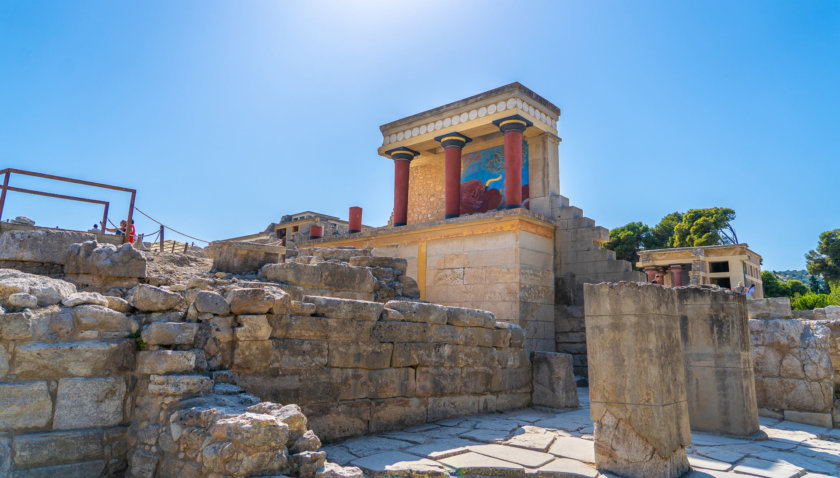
(227, 115)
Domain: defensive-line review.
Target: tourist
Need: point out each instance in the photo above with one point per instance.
(121, 230)
(740, 288)
(751, 292)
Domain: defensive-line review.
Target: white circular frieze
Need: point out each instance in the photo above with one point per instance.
(519, 103)
(447, 122)
(491, 109)
(511, 103)
(455, 120)
(407, 133)
(482, 112)
(400, 136)
(393, 138)
(415, 131)
(430, 127)
(439, 124)
(423, 129)
(473, 114)
(464, 117)
(501, 106)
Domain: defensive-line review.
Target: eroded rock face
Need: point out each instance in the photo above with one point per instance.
(46, 290)
(104, 264)
(44, 246)
(147, 298)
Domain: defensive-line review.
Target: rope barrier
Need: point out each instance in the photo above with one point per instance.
(167, 227)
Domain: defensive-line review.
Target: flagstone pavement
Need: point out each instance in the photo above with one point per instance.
(558, 443)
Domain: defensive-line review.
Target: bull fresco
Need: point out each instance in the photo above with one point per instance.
(483, 179)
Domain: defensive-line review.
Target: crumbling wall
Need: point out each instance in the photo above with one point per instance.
(38, 251)
(360, 367)
(65, 379)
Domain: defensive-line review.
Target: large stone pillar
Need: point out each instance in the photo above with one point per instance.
(402, 164)
(719, 375)
(452, 144)
(636, 379)
(513, 127)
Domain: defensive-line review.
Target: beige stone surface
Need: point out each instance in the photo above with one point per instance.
(68, 359)
(42, 449)
(769, 308)
(24, 405)
(637, 379)
(147, 298)
(250, 301)
(720, 381)
(169, 333)
(156, 362)
(345, 308)
(48, 291)
(89, 402)
(553, 380)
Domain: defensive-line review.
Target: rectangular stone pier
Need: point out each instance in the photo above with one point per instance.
(637, 381)
(720, 382)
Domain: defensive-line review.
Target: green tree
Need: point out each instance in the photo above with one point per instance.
(662, 235)
(627, 240)
(797, 287)
(773, 287)
(825, 260)
(811, 301)
(704, 227)
(814, 284)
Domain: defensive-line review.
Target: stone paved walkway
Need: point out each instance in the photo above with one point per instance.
(540, 443)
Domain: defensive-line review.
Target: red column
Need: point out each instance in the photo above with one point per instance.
(513, 169)
(651, 273)
(676, 274)
(513, 127)
(402, 166)
(316, 232)
(355, 219)
(452, 144)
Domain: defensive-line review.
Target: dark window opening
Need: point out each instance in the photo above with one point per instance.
(719, 267)
(295, 228)
(722, 282)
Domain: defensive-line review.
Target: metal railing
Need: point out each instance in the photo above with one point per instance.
(9, 171)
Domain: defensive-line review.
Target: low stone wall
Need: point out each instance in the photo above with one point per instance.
(243, 257)
(361, 367)
(794, 377)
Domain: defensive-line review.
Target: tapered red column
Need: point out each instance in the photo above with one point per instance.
(676, 271)
(513, 127)
(355, 219)
(402, 164)
(452, 144)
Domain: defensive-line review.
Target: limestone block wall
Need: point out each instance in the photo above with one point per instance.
(359, 367)
(579, 259)
(794, 376)
(65, 386)
(426, 193)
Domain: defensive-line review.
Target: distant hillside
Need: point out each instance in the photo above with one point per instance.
(802, 275)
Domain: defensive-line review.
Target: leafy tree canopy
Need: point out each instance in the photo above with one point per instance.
(825, 259)
(695, 227)
(773, 287)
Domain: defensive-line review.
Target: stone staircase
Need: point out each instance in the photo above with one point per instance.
(579, 259)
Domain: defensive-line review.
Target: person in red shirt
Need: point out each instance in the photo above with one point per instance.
(121, 230)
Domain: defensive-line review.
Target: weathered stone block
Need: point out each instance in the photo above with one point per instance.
(254, 327)
(720, 382)
(24, 405)
(331, 422)
(395, 331)
(81, 298)
(360, 355)
(179, 385)
(22, 300)
(345, 308)
(170, 333)
(769, 308)
(15, 326)
(105, 264)
(463, 317)
(637, 380)
(340, 277)
(147, 298)
(292, 354)
(89, 402)
(103, 319)
(297, 327)
(4, 362)
(438, 381)
(553, 380)
(73, 359)
(39, 245)
(253, 354)
(73, 470)
(293, 273)
(419, 312)
(397, 263)
(348, 330)
(160, 362)
(501, 338)
(445, 334)
(241, 257)
(211, 303)
(250, 301)
(353, 383)
(396, 413)
(48, 291)
(41, 449)
(301, 308)
(479, 336)
(452, 406)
